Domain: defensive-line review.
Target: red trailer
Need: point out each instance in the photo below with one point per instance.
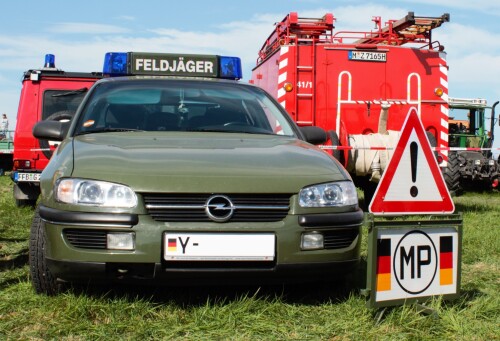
(359, 86)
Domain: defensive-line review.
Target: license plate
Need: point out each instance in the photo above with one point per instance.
(219, 246)
(27, 177)
(368, 56)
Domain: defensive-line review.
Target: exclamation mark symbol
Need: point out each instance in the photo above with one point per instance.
(413, 158)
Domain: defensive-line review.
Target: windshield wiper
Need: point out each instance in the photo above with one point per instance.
(106, 130)
(220, 130)
(71, 93)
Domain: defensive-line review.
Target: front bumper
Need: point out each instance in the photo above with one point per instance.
(71, 262)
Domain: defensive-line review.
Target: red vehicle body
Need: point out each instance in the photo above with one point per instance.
(47, 94)
(341, 81)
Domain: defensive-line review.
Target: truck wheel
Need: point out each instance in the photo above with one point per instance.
(25, 194)
(451, 174)
(368, 187)
(431, 138)
(334, 141)
(25, 203)
(42, 279)
(369, 192)
(64, 115)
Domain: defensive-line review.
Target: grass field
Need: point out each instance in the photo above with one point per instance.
(333, 311)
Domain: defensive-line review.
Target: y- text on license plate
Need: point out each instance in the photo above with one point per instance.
(219, 246)
(24, 177)
(368, 56)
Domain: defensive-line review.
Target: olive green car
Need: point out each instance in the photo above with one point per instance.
(171, 180)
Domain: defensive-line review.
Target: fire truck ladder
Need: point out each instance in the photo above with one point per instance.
(305, 78)
(293, 30)
(408, 29)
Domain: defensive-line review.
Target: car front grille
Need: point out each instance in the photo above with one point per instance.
(192, 207)
(86, 239)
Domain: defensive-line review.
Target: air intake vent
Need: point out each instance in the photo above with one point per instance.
(339, 239)
(86, 239)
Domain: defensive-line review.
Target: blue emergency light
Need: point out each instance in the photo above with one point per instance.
(167, 64)
(50, 61)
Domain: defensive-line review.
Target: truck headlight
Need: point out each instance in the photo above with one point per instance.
(341, 193)
(94, 193)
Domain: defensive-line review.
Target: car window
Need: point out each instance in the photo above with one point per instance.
(175, 105)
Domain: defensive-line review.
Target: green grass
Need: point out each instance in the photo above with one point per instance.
(332, 311)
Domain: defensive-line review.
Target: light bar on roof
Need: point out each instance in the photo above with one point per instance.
(167, 64)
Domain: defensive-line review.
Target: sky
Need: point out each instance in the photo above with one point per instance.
(79, 33)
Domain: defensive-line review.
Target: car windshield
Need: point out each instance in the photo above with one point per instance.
(181, 105)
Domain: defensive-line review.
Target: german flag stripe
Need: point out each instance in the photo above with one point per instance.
(446, 276)
(446, 260)
(383, 282)
(383, 264)
(446, 244)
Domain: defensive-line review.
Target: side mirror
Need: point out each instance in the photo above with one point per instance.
(314, 135)
(51, 130)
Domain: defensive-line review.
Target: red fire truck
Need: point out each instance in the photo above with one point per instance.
(47, 94)
(359, 86)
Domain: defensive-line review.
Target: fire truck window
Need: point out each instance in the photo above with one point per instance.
(53, 102)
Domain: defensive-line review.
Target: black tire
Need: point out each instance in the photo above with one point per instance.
(431, 138)
(25, 194)
(368, 187)
(42, 279)
(451, 174)
(58, 116)
(25, 203)
(369, 192)
(334, 141)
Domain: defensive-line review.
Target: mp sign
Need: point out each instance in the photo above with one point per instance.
(412, 263)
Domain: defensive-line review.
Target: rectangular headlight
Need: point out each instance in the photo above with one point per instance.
(341, 193)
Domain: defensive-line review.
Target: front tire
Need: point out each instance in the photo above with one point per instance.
(42, 279)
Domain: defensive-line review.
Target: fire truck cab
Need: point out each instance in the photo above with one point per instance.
(47, 93)
(359, 86)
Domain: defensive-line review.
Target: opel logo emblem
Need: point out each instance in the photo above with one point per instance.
(219, 208)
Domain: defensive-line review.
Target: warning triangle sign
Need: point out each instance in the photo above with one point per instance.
(412, 182)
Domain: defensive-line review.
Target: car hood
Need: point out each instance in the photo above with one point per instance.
(203, 162)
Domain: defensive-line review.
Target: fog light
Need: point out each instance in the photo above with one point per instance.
(311, 241)
(121, 241)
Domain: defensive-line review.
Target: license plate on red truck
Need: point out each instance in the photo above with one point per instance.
(27, 177)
